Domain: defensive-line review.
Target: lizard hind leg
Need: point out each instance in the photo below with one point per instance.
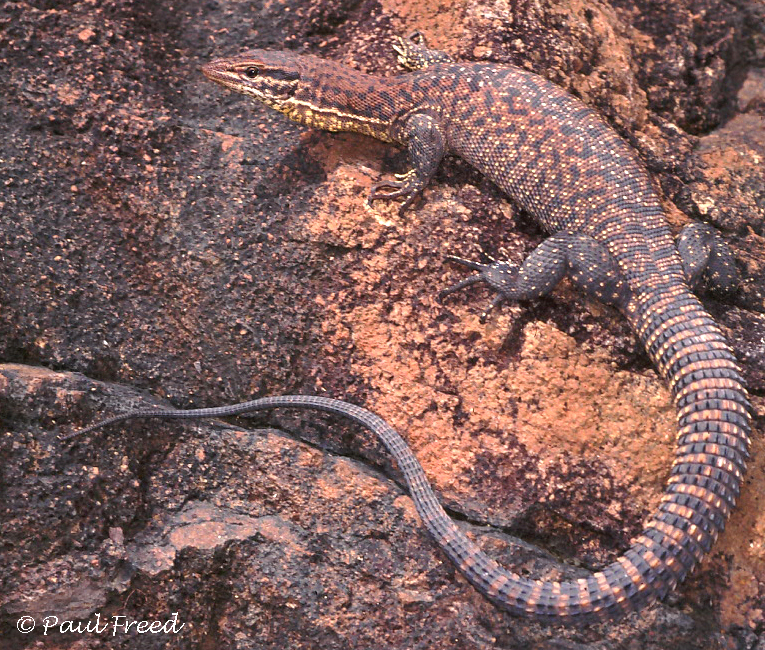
(413, 54)
(706, 259)
(586, 261)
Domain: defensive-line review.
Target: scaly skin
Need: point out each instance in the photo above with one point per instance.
(564, 165)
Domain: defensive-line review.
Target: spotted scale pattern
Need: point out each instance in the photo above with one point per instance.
(560, 161)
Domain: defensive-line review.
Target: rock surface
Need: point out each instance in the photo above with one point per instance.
(164, 241)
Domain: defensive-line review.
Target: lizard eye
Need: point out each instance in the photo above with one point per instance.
(251, 72)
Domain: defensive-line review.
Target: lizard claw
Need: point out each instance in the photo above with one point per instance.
(465, 282)
(417, 37)
(496, 302)
(397, 187)
(414, 54)
(399, 47)
(405, 186)
(496, 275)
(402, 45)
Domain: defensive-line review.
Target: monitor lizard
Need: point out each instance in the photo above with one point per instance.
(561, 162)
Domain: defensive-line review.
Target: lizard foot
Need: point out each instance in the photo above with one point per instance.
(707, 260)
(414, 54)
(407, 185)
(498, 276)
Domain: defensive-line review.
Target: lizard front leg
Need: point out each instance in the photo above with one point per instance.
(586, 261)
(426, 144)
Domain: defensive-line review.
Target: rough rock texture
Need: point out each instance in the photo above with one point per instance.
(163, 240)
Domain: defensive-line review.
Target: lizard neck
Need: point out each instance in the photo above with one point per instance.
(337, 98)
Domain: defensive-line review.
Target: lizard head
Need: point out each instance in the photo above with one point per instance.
(309, 90)
(271, 77)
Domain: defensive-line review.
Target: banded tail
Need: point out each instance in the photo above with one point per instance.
(713, 440)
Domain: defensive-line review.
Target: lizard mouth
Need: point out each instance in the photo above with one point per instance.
(218, 71)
